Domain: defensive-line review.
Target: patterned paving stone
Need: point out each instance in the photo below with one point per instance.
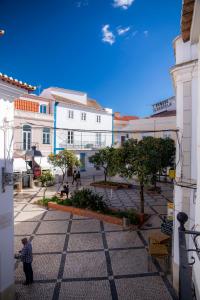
(154, 220)
(53, 227)
(108, 227)
(43, 291)
(87, 290)
(161, 209)
(18, 207)
(48, 243)
(24, 228)
(143, 288)
(44, 267)
(123, 239)
(90, 241)
(82, 265)
(126, 262)
(32, 207)
(57, 215)
(85, 226)
(29, 216)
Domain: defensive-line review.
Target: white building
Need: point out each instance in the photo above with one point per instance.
(186, 79)
(80, 123)
(161, 124)
(9, 89)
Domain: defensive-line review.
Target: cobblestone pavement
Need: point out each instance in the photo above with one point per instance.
(82, 258)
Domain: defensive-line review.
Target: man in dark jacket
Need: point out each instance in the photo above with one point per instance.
(27, 258)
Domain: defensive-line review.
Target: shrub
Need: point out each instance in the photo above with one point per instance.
(86, 198)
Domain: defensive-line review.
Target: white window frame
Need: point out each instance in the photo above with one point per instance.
(98, 138)
(83, 116)
(46, 136)
(26, 137)
(70, 114)
(70, 137)
(98, 118)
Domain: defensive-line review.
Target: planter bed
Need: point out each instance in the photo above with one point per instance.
(86, 213)
(111, 185)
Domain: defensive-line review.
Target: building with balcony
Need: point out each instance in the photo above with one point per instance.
(186, 80)
(80, 123)
(33, 120)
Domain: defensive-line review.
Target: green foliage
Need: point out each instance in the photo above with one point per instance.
(86, 198)
(145, 158)
(64, 160)
(46, 178)
(108, 159)
(131, 214)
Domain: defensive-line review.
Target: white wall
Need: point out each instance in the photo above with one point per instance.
(76, 123)
(7, 94)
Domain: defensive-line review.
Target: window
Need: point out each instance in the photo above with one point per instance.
(26, 137)
(70, 114)
(83, 116)
(166, 135)
(46, 136)
(43, 109)
(98, 119)
(70, 137)
(98, 138)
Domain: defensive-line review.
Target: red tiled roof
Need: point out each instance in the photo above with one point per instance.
(16, 82)
(168, 113)
(125, 118)
(34, 97)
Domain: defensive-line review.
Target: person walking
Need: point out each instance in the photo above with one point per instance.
(78, 178)
(26, 257)
(65, 190)
(74, 177)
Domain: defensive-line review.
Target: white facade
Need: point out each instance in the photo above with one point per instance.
(7, 94)
(80, 123)
(186, 78)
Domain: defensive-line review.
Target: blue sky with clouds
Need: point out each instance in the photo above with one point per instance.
(119, 51)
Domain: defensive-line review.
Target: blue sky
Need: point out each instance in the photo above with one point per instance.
(118, 51)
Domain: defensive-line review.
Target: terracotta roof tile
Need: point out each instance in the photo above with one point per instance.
(16, 82)
(125, 118)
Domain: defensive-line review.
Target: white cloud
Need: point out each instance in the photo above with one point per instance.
(82, 3)
(146, 33)
(108, 36)
(125, 4)
(122, 31)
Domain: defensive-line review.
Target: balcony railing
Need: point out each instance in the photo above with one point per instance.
(83, 145)
(185, 274)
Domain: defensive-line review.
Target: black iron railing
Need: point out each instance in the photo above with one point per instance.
(185, 272)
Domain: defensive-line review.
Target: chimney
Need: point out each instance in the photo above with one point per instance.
(117, 114)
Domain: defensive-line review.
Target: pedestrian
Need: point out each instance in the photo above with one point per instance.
(78, 178)
(65, 190)
(74, 176)
(26, 257)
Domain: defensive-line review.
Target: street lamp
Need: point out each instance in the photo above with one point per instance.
(2, 32)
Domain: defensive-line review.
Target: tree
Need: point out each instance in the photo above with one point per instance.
(63, 160)
(107, 159)
(46, 178)
(145, 158)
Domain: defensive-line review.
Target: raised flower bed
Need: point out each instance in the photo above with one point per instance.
(111, 185)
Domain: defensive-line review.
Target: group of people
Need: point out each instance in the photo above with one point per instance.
(76, 178)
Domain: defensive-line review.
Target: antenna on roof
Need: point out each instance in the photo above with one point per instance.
(39, 88)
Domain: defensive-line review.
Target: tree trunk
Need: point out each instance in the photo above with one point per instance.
(142, 198)
(63, 177)
(44, 193)
(105, 176)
